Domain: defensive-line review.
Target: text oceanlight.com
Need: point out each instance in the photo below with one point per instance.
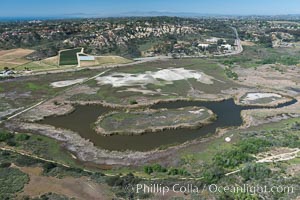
(212, 188)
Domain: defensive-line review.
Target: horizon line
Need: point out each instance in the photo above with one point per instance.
(142, 14)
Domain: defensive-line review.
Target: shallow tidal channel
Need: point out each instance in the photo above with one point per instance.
(83, 118)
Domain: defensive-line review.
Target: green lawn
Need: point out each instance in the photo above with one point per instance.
(69, 57)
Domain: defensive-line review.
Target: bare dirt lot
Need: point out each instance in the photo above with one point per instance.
(105, 60)
(78, 188)
(14, 57)
(278, 77)
(247, 43)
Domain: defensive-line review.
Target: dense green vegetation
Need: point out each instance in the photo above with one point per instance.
(231, 74)
(149, 169)
(241, 156)
(156, 168)
(123, 186)
(232, 158)
(37, 145)
(11, 181)
(35, 87)
(69, 57)
(285, 60)
(5, 136)
(256, 172)
(243, 151)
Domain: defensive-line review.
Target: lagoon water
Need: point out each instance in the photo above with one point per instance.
(83, 118)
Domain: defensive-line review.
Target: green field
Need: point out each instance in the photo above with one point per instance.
(69, 57)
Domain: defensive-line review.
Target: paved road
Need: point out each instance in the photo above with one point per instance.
(238, 43)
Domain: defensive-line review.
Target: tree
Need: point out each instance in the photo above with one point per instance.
(213, 174)
(220, 42)
(22, 137)
(5, 136)
(255, 171)
(266, 41)
(148, 169)
(48, 166)
(232, 158)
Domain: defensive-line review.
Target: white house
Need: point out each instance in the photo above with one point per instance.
(212, 40)
(203, 45)
(6, 73)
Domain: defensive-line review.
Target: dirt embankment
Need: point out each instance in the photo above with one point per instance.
(56, 106)
(85, 149)
(262, 116)
(241, 98)
(151, 121)
(240, 93)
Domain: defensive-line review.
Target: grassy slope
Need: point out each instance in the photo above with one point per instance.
(14, 57)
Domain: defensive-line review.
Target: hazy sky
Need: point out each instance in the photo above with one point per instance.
(13, 8)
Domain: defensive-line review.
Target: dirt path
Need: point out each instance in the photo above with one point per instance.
(25, 110)
(43, 101)
(274, 158)
(280, 157)
(85, 170)
(23, 153)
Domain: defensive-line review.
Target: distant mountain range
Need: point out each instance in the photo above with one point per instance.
(179, 14)
(157, 13)
(150, 14)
